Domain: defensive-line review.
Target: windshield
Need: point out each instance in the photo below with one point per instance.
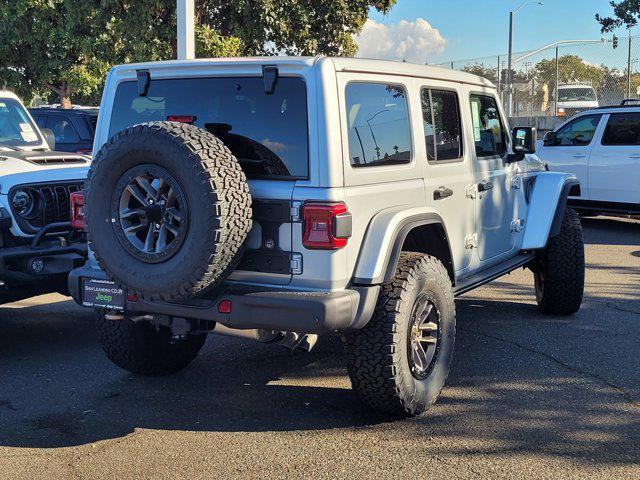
(585, 94)
(16, 128)
(266, 133)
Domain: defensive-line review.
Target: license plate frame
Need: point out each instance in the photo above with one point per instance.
(97, 293)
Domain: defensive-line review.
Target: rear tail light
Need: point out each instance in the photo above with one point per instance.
(76, 199)
(182, 118)
(326, 226)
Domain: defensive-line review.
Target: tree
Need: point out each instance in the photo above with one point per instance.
(490, 73)
(296, 27)
(67, 46)
(625, 13)
(572, 68)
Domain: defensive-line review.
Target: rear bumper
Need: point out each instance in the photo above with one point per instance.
(253, 308)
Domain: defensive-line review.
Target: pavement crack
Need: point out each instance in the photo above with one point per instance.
(594, 376)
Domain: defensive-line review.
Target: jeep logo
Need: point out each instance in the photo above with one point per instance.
(103, 297)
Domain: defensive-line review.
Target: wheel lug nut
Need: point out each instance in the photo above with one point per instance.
(157, 225)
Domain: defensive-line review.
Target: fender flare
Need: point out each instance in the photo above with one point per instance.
(392, 251)
(550, 190)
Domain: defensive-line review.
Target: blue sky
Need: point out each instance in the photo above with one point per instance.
(474, 28)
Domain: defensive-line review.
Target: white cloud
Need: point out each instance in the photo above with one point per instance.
(410, 41)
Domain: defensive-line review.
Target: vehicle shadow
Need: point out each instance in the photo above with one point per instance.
(505, 393)
(610, 231)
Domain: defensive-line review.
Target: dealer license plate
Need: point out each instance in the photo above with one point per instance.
(102, 294)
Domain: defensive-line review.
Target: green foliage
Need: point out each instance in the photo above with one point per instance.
(625, 13)
(67, 46)
(572, 68)
(489, 73)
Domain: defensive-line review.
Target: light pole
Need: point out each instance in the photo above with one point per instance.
(512, 15)
(185, 13)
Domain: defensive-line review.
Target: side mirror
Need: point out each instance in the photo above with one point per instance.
(524, 143)
(49, 137)
(549, 139)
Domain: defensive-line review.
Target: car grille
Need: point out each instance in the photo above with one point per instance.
(55, 204)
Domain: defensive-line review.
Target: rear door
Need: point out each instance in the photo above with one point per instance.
(614, 167)
(448, 162)
(572, 148)
(267, 133)
(496, 197)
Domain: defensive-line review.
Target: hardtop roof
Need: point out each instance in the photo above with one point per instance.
(341, 64)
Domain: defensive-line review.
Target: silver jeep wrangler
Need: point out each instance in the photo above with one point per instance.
(282, 198)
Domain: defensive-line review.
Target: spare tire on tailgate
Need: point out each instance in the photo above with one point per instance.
(168, 210)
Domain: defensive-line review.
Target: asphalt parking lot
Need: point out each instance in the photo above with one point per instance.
(529, 396)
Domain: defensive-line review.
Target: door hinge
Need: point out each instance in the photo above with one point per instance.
(517, 225)
(296, 263)
(471, 241)
(470, 191)
(296, 211)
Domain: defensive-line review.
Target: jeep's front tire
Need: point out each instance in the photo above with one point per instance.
(141, 347)
(415, 310)
(559, 269)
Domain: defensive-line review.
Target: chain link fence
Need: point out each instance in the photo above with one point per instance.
(563, 78)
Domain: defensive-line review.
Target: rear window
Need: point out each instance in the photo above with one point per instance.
(266, 133)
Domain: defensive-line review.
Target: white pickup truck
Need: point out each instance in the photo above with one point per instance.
(602, 148)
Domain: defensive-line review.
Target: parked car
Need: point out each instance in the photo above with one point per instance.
(38, 246)
(281, 198)
(576, 97)
(601, 148)
(73, 128)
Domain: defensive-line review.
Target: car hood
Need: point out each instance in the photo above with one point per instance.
(19, 167)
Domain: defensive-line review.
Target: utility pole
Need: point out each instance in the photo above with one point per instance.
(556, 94)
(629, 67)
(510, 66)
(186, 29)
(512, 15)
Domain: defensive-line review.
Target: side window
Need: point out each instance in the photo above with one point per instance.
(488, 131)
(579, 132)
(378, 124)
(62, 129)
(622, 129)
(441, 120)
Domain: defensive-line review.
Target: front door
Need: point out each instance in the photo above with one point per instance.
(494, 189)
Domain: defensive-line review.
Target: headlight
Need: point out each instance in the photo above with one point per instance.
(23, 202)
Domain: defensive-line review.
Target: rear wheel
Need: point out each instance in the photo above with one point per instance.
(559, 269)
(399, 361)
(143, 348)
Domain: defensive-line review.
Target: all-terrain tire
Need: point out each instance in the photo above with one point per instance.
(214, 195)
(559, 269)
(379, 357)
(141, 348)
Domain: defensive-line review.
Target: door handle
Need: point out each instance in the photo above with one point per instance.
(484, 185)
(441, 193)
(635, 156)
(579, 155)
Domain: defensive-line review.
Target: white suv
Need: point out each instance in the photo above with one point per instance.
(38, 246)
(602, 149)
(280, 198)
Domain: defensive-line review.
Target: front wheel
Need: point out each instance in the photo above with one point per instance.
(146, 349)
(559, 269)
(399, 361)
